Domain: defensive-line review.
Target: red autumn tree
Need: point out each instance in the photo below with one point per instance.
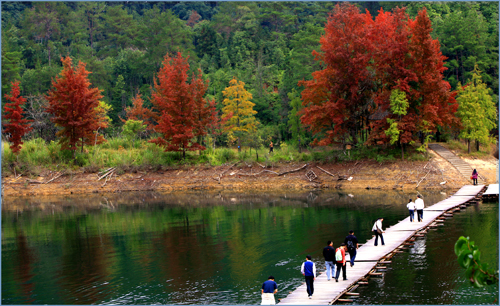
(337, 100)
(393, 65)
(14, 124)
(75, 107)
(414, 65)
(366, 60)
(183, 112)
(139, 112)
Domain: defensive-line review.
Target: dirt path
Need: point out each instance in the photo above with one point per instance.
(434, 174)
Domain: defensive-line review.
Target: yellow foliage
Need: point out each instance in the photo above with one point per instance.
(237, 101)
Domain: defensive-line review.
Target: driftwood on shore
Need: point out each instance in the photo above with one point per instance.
(54, 178)
(338, 176)
(240, 173)
(108, 172)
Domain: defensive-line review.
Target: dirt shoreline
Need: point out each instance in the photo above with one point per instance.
(436, 174)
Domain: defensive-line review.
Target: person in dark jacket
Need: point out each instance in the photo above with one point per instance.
(308, 269)
(329, 254)
(351, 243)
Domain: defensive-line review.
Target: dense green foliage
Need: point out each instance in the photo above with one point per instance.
(266, 45)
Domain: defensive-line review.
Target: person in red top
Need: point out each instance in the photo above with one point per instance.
(340, 261)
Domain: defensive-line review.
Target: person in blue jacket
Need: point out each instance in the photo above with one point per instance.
(269, 289)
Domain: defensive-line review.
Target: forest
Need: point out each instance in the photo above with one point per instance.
(404, 72)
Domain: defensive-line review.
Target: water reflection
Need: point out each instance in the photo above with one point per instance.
(191, 248)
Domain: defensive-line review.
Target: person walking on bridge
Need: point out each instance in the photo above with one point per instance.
(411, 209)
(419, 206)
(340, 258)
(352, 245)
(474, 177)
(377, 231)
(269, 289)
(329, 254)
(308, 269)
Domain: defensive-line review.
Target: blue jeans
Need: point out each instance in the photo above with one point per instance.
(376, 238)
(352, 255)
(412, 215)
(330, 269)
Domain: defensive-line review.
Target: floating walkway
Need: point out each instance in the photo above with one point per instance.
(491, 193)
(372, 260)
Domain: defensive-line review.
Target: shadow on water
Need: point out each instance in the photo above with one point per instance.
(181, 248)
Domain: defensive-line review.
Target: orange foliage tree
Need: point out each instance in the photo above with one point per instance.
(13, 122)
(183, 114)
(75, 107)
(365, 60)
(140, 113)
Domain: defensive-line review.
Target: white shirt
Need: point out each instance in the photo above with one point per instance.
(377, 225)
(314, 268)
(419, 203)
(411, 206)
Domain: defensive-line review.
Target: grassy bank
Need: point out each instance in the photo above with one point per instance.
(127, 155)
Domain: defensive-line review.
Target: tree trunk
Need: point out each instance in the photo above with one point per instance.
(239, 144)
(402, 151)
(477, 145)
(468, 146)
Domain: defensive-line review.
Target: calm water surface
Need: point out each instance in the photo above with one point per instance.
(218, 248)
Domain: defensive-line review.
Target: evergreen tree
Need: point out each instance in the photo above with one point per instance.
(476, 110)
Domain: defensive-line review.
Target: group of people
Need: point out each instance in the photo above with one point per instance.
(335, 258)
(418, 205)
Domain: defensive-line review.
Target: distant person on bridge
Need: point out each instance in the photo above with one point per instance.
(411, 209)
(377, 231)
(329, 254)
(269, 289)
(340, 258)
(474, 177)
(419, 206)
(352, 245)
(308, 269)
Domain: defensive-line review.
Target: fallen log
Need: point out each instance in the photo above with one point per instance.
(56, 177)
(33, 182)
(291, 171)
(107, 173)
(325, 171)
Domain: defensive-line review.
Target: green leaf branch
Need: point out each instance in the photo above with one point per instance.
(469, 258)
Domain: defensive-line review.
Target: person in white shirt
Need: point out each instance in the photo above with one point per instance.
(411, 208)
(308, 269)
(377, 230)
(419, 206)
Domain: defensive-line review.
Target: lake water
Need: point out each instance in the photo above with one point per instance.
(218, 248)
